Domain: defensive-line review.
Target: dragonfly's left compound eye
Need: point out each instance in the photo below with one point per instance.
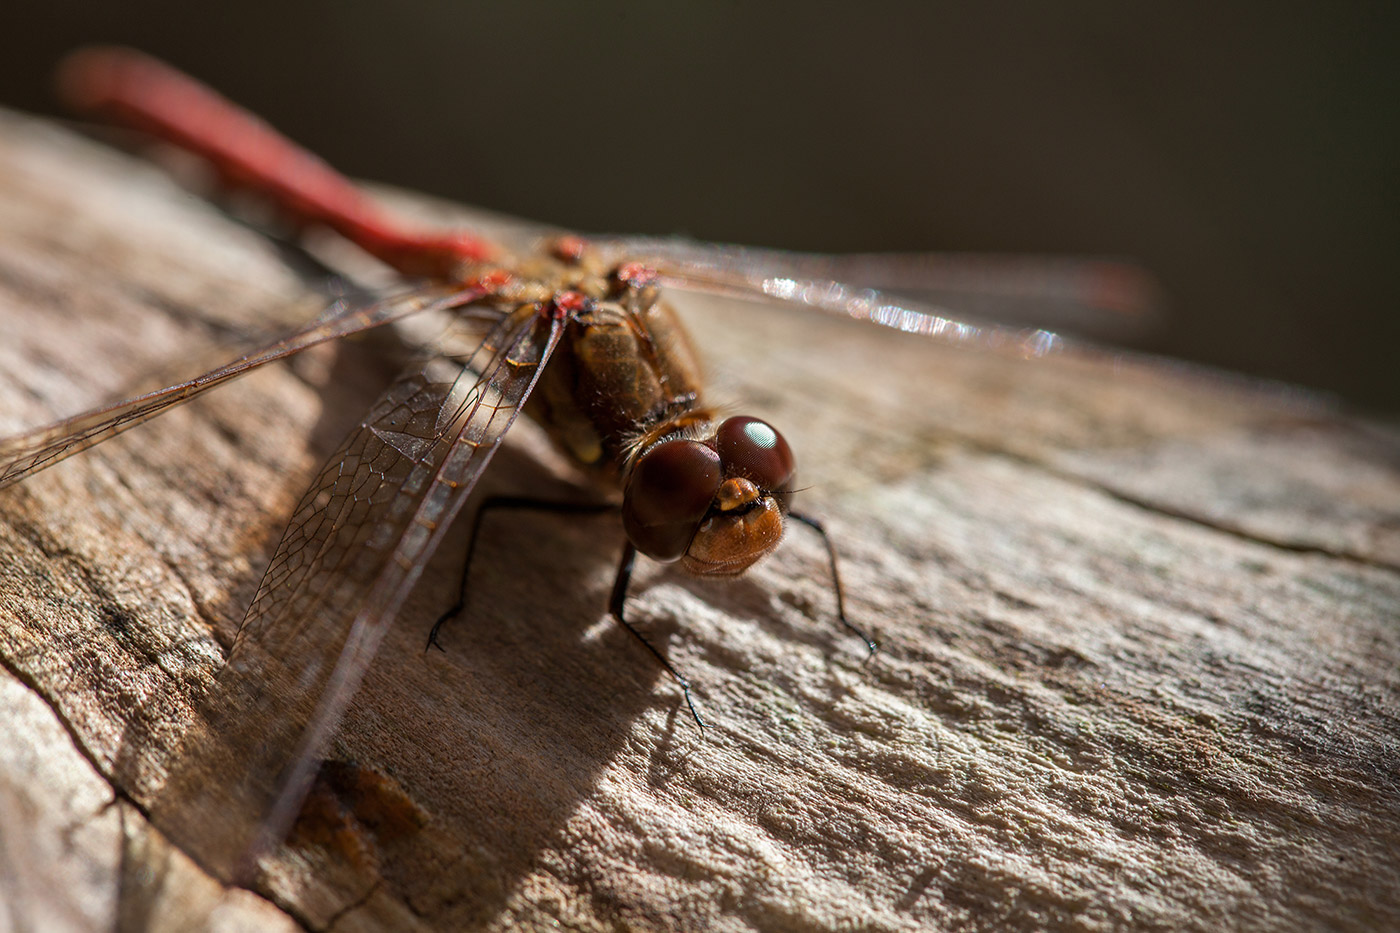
(754, 450)
(668, 492)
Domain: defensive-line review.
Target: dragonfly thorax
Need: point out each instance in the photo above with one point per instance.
(622, 396)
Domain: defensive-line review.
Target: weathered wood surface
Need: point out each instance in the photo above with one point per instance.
(1140, 628)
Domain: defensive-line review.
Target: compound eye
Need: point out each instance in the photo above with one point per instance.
(755, 450)
(668, 492)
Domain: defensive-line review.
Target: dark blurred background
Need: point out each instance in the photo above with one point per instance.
(1245, 153)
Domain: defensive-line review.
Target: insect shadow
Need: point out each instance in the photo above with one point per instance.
(470, 760)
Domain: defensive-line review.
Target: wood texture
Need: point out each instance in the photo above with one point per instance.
(1140, 632)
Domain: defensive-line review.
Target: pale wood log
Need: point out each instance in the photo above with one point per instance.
(1140, 632)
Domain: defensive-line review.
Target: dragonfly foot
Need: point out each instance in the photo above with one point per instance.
(685, 689)
(437, 627)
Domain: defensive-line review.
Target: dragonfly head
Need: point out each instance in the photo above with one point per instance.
(715, 504)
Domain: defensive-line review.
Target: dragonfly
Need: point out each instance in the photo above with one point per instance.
(577, 333)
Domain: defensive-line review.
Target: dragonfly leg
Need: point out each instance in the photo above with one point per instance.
(505, 502)
(820, 529)
(615, 603)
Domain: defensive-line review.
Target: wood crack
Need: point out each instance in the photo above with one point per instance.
(1164, 510)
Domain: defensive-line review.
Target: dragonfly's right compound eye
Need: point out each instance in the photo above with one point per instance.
(753, 449)
(668, 493)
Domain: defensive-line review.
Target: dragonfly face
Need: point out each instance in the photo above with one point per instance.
(716, 505)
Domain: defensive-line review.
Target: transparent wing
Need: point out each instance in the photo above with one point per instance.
(25, 454)
(958, 296)
(356, 544)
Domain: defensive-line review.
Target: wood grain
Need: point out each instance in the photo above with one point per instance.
(1140, 632)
